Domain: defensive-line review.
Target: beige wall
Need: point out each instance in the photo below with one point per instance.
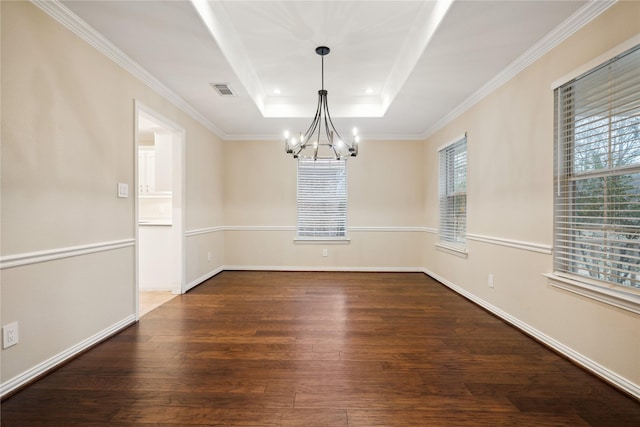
(259, 184)
(67, 140)
(510, 196)
(204, 203)
(385, 208)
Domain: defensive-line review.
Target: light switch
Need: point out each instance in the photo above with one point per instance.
(123, 190)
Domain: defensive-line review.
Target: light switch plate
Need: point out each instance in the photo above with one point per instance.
(123, 190)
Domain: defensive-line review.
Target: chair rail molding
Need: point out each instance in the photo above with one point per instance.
(511, 243)
(206, 230)
(17, 260)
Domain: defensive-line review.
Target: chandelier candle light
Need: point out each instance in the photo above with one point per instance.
(310, 145)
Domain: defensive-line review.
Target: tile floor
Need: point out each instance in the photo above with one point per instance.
(150, 300)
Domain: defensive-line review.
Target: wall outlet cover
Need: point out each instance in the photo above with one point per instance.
(10, 335)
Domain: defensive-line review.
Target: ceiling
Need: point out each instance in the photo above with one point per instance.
(397, 69)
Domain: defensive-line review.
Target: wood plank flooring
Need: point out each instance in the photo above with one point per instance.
(292, 349)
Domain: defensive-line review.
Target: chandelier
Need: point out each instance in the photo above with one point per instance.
(321, 140)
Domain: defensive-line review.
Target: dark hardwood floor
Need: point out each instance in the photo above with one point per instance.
(320, 349)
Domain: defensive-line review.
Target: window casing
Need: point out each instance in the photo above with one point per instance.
(597, 175)
(453, 194)
(322, 199)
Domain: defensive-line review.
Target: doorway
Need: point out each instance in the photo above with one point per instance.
(159, 166)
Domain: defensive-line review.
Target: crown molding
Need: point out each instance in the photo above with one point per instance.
(72, 22)
(567, 28)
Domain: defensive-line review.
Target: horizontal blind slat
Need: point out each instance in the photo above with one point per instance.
(322, 198)
(452, 193)
(597, 198)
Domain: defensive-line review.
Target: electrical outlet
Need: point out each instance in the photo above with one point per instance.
(209, 256)
(325, 252)
(490, 281)
(10, 335)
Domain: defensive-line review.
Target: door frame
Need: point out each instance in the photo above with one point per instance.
(178, 197)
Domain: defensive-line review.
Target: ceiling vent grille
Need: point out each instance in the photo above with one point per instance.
(223, 89)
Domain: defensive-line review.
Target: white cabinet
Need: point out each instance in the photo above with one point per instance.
(155, 173)
(163, 162)
(155, 166)
(146, 170)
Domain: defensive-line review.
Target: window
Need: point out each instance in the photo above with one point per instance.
(322, 199)
(453, 194)
(597, 175)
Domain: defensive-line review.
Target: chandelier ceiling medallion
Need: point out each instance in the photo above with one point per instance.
(322, 140)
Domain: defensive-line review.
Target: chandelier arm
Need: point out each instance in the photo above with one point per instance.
(328, 129)
(322, 119)
(309, 133)
(331, 134)
(319, 124)
(333, 147)
(314, 123)
(328, 116)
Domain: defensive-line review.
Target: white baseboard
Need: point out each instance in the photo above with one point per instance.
(202, 278)
(31, 374)
(324, 268)
(590, 365)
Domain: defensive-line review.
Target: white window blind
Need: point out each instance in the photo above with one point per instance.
(597, 178)
(322, 198)
(453, 193)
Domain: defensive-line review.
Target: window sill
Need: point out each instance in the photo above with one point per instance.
(322, 240)
(453, 250)
(613, 295)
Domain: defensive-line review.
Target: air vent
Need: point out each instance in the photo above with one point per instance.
(223, 89)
